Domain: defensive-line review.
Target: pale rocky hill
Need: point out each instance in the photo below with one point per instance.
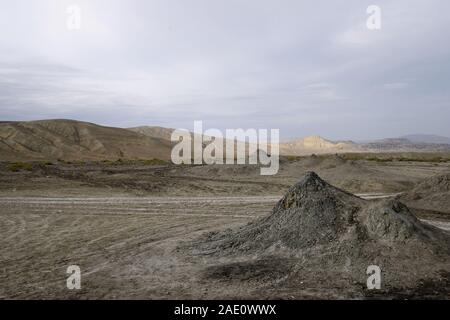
(317, 145)
(76, 140)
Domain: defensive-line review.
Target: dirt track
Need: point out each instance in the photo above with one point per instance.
(123, 245)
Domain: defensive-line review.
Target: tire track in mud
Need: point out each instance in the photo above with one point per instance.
(114, 240)
(106, 237)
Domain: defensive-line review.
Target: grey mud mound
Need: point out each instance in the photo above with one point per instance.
(432, 194)
(330, 237)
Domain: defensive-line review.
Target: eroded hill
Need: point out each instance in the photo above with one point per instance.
(76, 140)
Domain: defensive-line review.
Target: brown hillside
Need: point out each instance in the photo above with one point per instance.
(76, 140)
(154, 131)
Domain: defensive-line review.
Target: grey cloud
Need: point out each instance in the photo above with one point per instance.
(303, 67)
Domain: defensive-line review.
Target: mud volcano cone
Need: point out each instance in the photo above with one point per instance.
(313, 213)
(328, 231)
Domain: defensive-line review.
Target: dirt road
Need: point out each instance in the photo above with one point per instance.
(123, 245)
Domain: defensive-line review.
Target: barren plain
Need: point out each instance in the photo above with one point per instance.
(125, 224)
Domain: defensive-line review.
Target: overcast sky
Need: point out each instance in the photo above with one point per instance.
(305, 67)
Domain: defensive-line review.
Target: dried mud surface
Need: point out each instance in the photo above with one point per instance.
(125, 226)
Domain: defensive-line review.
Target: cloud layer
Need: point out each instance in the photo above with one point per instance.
(306, 67)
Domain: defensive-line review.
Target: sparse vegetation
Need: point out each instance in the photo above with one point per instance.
(391, 157)
(20, 166)
(293, 158)
(146, 162)
(152, 162)
(48, 163)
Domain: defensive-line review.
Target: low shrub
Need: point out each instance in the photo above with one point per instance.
(20, 166)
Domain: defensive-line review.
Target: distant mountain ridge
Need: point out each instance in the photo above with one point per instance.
(427, 138)
(316, 144)
(319, 145)
(77, 140)
(404, 145)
